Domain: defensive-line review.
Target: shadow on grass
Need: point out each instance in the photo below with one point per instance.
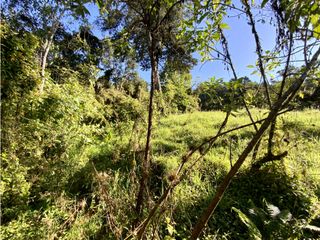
(267, 185)
(305, 130)
(117, 159)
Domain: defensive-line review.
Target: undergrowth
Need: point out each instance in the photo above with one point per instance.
(94, 197)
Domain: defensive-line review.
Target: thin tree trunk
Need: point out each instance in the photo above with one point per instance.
(285, 74)
(288, 95)
(146, 161)
(258, 50)
(46, 50)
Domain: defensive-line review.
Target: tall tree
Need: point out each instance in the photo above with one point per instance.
(151, 28)
(43, 18)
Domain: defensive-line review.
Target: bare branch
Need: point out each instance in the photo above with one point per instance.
(258, 50)
(228, 56)
(287, 96)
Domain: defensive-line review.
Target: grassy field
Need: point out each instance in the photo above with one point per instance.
(297, 132)
(292, 184)
(281, 200)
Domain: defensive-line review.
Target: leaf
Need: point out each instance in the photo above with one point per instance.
(273, 210)
(301, 95)
(315, 19)
(215, 4)
(170, 229)
(203, 17)
(316, 32)
(264, 2)
(253, 230)
(216, 36)
(224, 26)
(254, 72)
(250, 66)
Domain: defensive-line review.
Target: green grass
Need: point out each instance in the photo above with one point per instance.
(293, 183)
(297, 132)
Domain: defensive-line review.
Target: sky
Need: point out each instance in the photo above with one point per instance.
(241, 45)
(242, 50)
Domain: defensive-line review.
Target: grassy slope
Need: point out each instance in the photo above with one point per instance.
(174, 134)
(297, 183)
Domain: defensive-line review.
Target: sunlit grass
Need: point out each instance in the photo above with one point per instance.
(297, 132)
(282, 182)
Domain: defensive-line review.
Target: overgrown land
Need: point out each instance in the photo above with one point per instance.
(89, 150)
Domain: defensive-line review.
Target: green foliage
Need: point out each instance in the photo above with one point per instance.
(120, 107)
(19, 71)
(272, 222)
(218, 95)
(74, 205)
(289, 14)
(178, 95)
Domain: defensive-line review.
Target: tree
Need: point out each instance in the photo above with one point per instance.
(288, 24)
(79, 51)
(178, 94)
(43, 18)
(150, 27)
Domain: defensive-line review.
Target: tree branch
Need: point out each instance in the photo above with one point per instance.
(167, 14)
(271, 116)
(258, 50)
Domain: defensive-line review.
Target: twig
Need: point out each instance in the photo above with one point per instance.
(139, 231)
(292, 90)
(258, 50)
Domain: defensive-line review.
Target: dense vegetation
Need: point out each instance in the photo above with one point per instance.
(89, 150)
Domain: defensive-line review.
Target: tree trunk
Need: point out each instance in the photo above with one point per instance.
(45, 52)
(146, 161)
(287, 96)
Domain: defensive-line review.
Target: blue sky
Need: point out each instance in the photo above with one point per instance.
(242, 49)
(241, 46)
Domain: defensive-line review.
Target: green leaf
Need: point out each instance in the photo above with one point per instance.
(301, 95)
(203, 17)
(264, 2)
(224, 26)
(250, 66)
(216, 36)
(253, 230)
(315, 19)
(316, 32)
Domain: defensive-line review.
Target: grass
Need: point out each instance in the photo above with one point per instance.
(293, 183)
(297, 132)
